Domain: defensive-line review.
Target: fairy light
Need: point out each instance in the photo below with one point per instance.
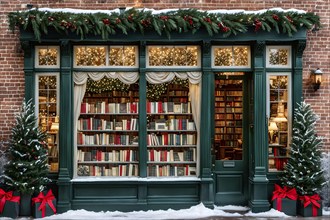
(90, 56)
(122, 56)
(173, 55)
(278, 57)
(231, 56)
(47, 56)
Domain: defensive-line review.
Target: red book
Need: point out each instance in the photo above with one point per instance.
(83, 107)
(160, 107)
(148, 107)
(187, 170)
(128, 155)
(152, 155)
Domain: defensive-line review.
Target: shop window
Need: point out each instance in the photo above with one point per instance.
(173, 56)
(47, 57)
(278, 56)
(47, 108)
(105, 56)
(278, 110)
(231, 56)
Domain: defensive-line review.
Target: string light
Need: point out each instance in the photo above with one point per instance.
(47, 56)
(231, 56)
(173, 55)
(90, 56)
(278, 57)
(122, 56)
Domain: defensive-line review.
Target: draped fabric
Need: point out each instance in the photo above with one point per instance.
(195, 78)
(162, 77)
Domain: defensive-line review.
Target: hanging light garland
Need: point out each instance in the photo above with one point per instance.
(106, 85)
(155, 91)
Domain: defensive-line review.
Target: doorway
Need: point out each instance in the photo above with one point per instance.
(230, 145)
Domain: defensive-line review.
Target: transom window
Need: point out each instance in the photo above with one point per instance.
(231, 56)
(173, 56)
(278, 56)
(105, 56)
(47, 56)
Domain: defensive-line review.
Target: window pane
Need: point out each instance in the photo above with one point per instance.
(48, 116)
(47, 56)
(173, 56)
(90, 56)
(241, 56)
(278, 57)
(122, 56)
(278, 131)
(223, 56)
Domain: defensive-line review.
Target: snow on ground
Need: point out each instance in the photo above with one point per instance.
(195, 212)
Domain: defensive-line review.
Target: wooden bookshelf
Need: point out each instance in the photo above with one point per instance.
(171, 135)
(228, 119)
(107, 134)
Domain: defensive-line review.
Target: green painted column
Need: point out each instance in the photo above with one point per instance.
(207, 181)
(297, 78)
(29, 70)
(66, 128)
(258, 180)
(142, 188)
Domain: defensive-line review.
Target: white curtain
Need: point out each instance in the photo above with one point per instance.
(80, 82)
(195, 94)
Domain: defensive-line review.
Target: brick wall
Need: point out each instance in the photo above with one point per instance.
(317, 52)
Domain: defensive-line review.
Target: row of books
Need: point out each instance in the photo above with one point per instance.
(171, 139)
(168, 107)
(111, 108)
(229, 123)
(102, 124)
(171, 155)
(106, 170)
(106, 139)
(53, 151)
(229, 93)
(111, 156)
(228, 130)
(169, 170)
(172, 124)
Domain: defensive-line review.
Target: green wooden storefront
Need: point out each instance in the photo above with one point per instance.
(244, 182)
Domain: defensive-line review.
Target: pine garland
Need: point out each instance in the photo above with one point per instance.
(180, 21)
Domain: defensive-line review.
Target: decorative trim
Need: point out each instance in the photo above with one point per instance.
(259, 48)
(301, 45)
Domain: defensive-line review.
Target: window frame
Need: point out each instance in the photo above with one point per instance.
(232, 49)
(199, 57)
(289, 108)
(36, 56)
(289, 48)
(107, 50)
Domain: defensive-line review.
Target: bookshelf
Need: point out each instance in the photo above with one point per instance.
(278, 128)
(107, 134)
(228, 119)
(171, 134)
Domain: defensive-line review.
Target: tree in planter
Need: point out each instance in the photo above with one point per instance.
(27, 168)
(303, 170)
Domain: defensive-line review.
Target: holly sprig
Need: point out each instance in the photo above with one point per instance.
(179, 21)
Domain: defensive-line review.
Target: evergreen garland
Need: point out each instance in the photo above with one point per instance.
(180, 21)
(303, 170)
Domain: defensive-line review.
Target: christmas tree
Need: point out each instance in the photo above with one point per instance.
(27, 168)
(303, 170)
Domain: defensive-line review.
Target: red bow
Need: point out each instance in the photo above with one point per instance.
(281, 193)
(48, 199)
(311, 200)
(4, 196)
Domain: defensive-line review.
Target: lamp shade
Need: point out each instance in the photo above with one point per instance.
(272, 126)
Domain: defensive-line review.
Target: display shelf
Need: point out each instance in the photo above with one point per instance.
(228, 119)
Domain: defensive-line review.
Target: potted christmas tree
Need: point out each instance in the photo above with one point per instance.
(26, 171)
(303, 170)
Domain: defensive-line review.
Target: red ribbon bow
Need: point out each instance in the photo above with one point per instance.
(7, 196)
(281, 193)
(311, 200)
(48, 199)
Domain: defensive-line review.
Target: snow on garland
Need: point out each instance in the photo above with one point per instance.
(105, 23)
